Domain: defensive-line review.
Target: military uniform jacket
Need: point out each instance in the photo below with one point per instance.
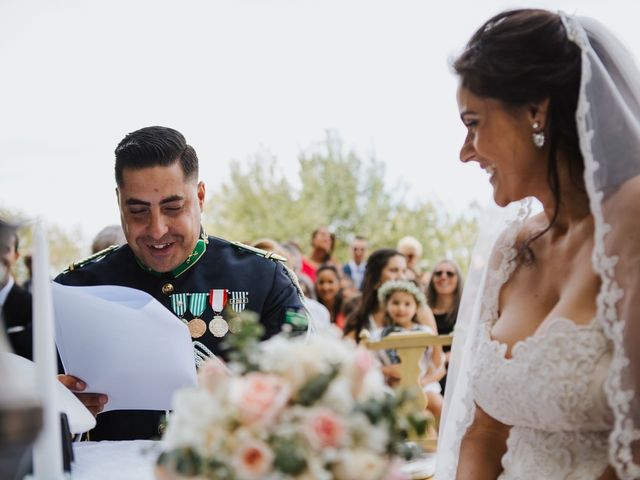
(256, 283)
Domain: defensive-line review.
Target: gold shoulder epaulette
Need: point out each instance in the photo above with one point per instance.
(260, 252)
(92, 258)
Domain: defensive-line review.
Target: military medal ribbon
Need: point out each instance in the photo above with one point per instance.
(218, 299)
(197, 304)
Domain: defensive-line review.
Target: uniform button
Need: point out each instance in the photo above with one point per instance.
(167, 289)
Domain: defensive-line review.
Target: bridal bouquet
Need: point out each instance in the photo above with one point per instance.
(290, 408)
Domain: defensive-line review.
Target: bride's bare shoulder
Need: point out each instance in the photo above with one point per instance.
(622, 213)
(625, 199)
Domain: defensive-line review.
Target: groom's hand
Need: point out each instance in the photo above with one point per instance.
(94, 402)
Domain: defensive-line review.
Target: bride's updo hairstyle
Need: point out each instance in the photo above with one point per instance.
(520, 57)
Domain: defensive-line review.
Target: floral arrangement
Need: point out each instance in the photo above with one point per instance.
(290, 408)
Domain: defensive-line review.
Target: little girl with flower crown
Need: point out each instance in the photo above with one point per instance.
(401, 300)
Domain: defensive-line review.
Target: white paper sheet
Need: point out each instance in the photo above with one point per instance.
(122, 342)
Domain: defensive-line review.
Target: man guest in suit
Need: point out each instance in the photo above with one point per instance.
(355, 268)
(14, 300)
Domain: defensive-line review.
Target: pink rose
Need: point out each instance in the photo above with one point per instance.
(253, 459)
(211, 373)
(323, 428)
(364, 362)
(259, 397)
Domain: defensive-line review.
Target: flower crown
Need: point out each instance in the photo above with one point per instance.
(392, 286)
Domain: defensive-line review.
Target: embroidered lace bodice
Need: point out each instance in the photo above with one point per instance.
(551, 392)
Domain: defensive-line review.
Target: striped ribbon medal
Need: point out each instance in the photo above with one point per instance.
(179, 306)
(239, 301)
(218, 299)
(197, 304)
(179, 303)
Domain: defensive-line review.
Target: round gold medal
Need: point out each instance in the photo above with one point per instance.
(197, 327)
(218, 326)
(235, 324)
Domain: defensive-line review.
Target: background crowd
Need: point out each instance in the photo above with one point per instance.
(338, 294)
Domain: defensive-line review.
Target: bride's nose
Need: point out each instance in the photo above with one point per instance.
(467, 152)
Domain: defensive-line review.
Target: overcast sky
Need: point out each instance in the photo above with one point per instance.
(236, 77)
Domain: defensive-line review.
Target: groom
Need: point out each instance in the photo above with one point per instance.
(168, 256)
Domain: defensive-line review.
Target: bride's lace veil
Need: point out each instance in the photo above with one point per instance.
(608, 125)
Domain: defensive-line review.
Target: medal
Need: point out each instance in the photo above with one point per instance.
(234, 324)
(218, 298)
(197, 304)
(218, 326)
(197, 327)
(239, 301)
(179, 303)
(179, 306)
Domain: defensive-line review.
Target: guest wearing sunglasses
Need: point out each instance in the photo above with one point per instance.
(443, 296)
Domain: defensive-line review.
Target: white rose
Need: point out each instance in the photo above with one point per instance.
(338, 396)
(360, 464)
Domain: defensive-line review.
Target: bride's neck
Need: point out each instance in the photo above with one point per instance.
(573, 201)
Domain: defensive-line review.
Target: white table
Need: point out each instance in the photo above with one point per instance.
(135, 460)
(124, 460)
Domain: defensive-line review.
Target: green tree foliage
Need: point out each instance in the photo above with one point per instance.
(338, 189)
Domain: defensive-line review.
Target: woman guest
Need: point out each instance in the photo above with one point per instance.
(546, 385)
(322, 244)
(329, 293)
(443, 296)
(383, 265)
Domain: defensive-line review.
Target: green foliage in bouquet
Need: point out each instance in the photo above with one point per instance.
(244, 345)
(292, 408)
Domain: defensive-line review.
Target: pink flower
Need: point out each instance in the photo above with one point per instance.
(253, 459)
(211, 373)
(364, 362)
(259, 397)
(323, 428)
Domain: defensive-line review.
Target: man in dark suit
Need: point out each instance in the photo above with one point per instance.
(14, 300)
(203, 280)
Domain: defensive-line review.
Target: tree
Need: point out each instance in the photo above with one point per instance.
(339, 190)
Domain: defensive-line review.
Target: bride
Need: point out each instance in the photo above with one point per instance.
(544, 367)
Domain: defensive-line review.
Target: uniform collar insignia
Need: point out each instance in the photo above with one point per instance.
(190, 261)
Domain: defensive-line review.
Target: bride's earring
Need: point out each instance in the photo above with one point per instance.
(538, 137)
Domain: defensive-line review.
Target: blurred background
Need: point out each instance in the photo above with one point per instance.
(303, 113)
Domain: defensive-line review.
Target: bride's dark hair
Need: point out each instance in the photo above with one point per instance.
(521, 57)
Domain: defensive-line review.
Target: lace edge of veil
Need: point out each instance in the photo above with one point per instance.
(624, 433)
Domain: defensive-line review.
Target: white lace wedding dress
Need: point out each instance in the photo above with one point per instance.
(550, 391)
